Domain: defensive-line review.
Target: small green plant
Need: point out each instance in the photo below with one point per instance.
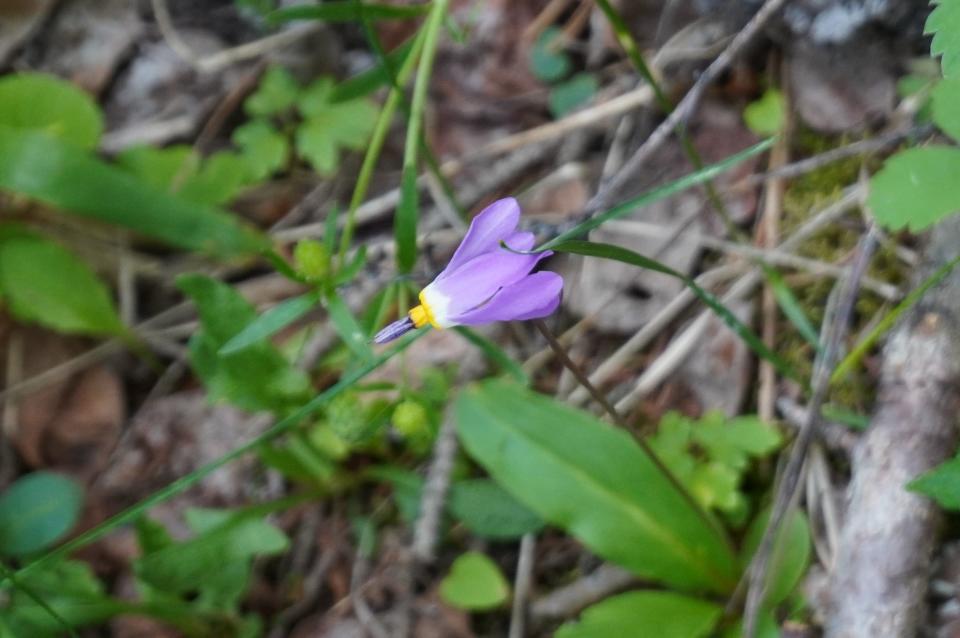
(552, 65)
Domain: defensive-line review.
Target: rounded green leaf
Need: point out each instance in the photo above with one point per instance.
(673, 616)
(46, 103)
(36, 511)
(547, 61)
(278, 91)
(571, 94)
(44, 283)
(594, 481)
(474, 583)
(765, 116)
(916, 188)
(946, 107)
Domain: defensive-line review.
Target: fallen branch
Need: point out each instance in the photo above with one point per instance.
(878, 582)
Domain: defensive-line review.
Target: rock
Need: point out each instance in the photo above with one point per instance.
(841, 89)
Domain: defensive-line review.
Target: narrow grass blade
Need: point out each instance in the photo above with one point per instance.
(791, 307)
(662, 192)
(618, 253)
(271, 322)
(348, 327)
(851, 360)
(368, 81)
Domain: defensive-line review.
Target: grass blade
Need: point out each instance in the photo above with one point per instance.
(271, 322)
(618, 253)
(631, 205)
(348, 11)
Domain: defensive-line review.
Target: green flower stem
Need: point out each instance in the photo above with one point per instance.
(376, 144)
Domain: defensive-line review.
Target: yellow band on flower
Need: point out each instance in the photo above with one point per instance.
(422, 315)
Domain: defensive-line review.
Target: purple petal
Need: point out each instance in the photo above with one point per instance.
(476, 281)
(535, 296)
(520, 240)
(495, 222)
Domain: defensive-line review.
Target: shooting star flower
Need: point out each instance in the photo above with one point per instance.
(484, 282)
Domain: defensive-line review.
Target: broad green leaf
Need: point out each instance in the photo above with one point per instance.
(630, 206)
(944, 24)
(348, 327)
(190, 565)
(666, 614)
(255, 378)
(43, 168)
(221, 178)
(474, 583)
(36, 511)
(627, 256)
(264, 148)
(349, 11)
(942, 484)
(946, 107)
(916, 188)
(790, 558)
(405, 220)
(489, 511)
(47, 104)
(271, 322)
(594, 481)
(547, 61)
(278, 90)
(571, 94)
(44, 283)
(766, 115)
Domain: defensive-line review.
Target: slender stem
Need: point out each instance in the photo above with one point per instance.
(376, 144)
(620, 421)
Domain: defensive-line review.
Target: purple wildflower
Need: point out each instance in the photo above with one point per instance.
(483, 281)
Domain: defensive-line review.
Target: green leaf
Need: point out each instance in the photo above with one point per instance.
(595, 482)
(349, 11)
(546, 61)
(257, 377)
(766, 115)
(944, 24)
(271, 322)
(45, 284)
(264, 148)
(489, 511)
(196, 563)
(36, 511)
(633, 204)
(946, 107)
(942, 484)
(47, 104)
(278, 90)
(571, 94)
(790, 558)
(915, 188)
(221, 177)
(627, 256)
(331, 125)
(474, 583)
(40, 167)
(673, 616)
(348, 328)
(405, 221)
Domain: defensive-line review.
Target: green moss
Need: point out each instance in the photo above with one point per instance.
(833, 244)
